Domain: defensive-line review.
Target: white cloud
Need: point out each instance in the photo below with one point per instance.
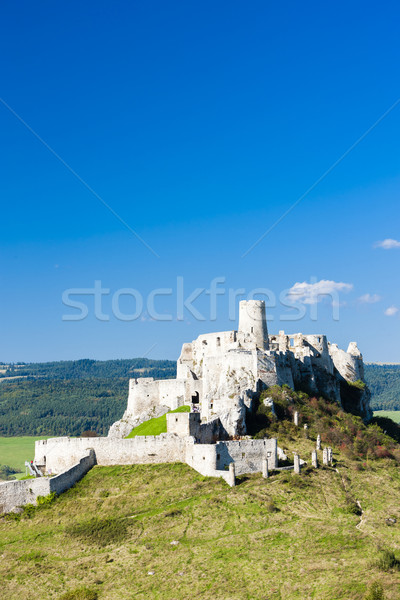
(388, 244)
(311, 293)
(370, 298)
(391, 311)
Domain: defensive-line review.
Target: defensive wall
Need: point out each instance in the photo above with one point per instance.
(14, 494)
(68, 459)
(59, 454)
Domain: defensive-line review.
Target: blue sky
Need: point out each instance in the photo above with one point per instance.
(200, 124)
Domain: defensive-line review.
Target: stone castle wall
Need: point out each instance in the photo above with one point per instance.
(14, 494)
(60, 454)
(209, 459)
(247, 455)
(226, 370)
(213, 460)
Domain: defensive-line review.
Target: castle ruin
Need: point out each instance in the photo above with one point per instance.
(219, 376)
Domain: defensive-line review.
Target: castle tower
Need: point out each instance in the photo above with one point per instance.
(253, 323)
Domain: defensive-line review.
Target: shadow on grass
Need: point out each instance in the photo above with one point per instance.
(242, 479)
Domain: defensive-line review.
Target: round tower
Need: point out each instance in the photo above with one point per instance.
(253, 323)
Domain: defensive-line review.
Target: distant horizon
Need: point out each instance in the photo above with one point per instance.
(3, 363)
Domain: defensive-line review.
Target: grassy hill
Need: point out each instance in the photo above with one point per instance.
(286, 538)
(166, 532)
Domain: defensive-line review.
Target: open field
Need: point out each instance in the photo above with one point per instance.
(285, 538)
(390, 414)
(14, 451)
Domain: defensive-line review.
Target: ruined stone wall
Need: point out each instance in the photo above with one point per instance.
(268, 369)
(61, 453)
(211, 431)
(202, 458)
(68, 478)
(247, 454)
(19, 493)
(212, 460)
(183, 424)
(190, 425)
(208, 459)
(285, 370)
(146, 393)
(14, 494)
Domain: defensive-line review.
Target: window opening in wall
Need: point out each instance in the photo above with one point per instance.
(252, 330)
(291, 342)
(218, 341)
(195, 398)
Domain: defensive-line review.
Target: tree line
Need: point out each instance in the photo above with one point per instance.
(87, 369)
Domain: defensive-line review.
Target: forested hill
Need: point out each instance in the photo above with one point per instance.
(384, 383)
(88, 369)
(70, 397)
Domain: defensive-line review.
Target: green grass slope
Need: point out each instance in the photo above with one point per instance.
(165, 532)
(389, 414)
(155, 426)
(286, 538)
